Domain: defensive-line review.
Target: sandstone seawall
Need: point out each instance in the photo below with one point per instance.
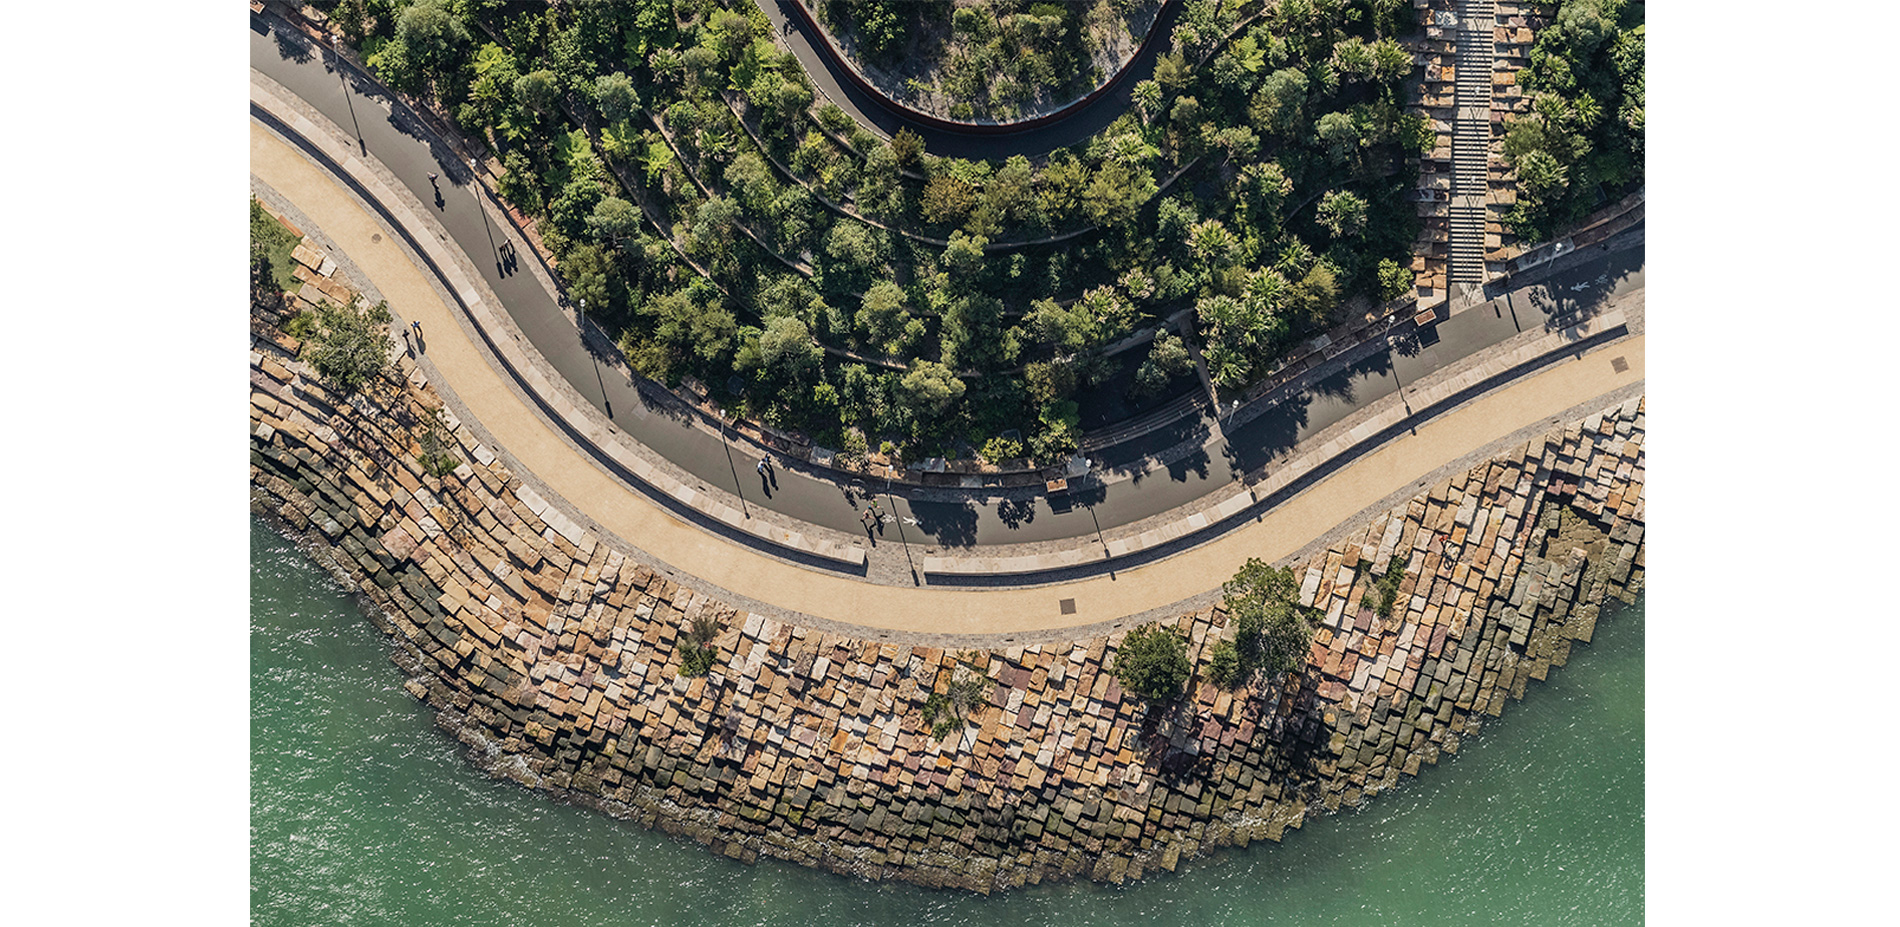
(553, 655)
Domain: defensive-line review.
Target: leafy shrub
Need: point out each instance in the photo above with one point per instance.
(997, 450)
(697, 653)
(1385, 591)
(1272, 630)
(271, 245)
(949, 710)
(350, 346)
(1152, 662)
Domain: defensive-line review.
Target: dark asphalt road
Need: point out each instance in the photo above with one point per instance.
(402, 145)
(829, 77)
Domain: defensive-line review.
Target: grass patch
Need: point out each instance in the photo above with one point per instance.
(1385, 590)
(270, 239)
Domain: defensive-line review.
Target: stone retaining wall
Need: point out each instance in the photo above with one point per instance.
(554, 656)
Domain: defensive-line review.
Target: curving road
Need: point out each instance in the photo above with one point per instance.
(1132, 490)
(952, 617)
(835, 82)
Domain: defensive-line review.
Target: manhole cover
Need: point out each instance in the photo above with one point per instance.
(1619, 365)
(1068, 606)
(376, 237)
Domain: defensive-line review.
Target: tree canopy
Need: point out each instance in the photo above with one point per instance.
(1152, 662)
(1271, 628)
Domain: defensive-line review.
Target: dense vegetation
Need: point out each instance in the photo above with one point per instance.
(987, 60)
(872, 295)
(1583, 142)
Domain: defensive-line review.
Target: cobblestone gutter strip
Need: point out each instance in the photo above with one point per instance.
(554, 658)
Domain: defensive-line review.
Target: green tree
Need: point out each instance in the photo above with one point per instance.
(787, 349)
(1224, 667)
(1115, 196)
(1167, 359)
(589, 275)
(908, 146)
(1391, 63)
(964, 256)
(1147, 97)
(1152, 662)
(433, 37)
(1211, 244)
(1342, 213)
(1061, 431)
(1340, 134)
(614, 220)
(491, 97)
(1279, 108)
(1313, 298)
(350, 346)
(617, 98)
(884, 315)
(697, 653)
(1272, 630)
(1059, 196)
(539, 91)
(1067, 328)
(948, 198)
(1051, 380)
(931, 387)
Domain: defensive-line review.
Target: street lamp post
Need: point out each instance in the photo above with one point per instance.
(1395, 374)
(475, 190)
(729, 465)
(901, 539)
(336, 49)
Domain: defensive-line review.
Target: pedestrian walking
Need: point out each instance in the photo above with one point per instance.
(763, 466)
(431, 178)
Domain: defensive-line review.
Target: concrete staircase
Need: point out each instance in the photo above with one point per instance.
(1471, 144)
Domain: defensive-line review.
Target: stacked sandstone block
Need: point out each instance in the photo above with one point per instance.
(555, 656)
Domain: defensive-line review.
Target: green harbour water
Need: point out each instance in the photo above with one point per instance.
(362, 812)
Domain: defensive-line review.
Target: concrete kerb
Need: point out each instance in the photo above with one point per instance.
(570, 414)
(946, 612)
(829, 541)
(1146, 541)
(603, 440)
(1613, 220)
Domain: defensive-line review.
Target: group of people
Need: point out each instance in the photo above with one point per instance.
(873, 515)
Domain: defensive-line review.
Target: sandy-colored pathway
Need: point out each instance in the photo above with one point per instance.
(535, 445)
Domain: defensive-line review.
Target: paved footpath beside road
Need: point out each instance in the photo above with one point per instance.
(403, 150)
(535, 447)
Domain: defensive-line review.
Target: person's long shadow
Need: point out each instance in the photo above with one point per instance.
(415, 336)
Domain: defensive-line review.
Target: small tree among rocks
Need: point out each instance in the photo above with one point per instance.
(350, 346)
(1152, 662)
(1272, 630)
(697, 653)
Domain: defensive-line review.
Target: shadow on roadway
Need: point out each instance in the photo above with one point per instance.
(953, 524)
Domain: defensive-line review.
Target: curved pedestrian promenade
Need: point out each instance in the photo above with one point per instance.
(575, 482)
(1148, 496)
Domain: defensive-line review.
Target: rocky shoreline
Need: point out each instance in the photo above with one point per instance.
(553, 654)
